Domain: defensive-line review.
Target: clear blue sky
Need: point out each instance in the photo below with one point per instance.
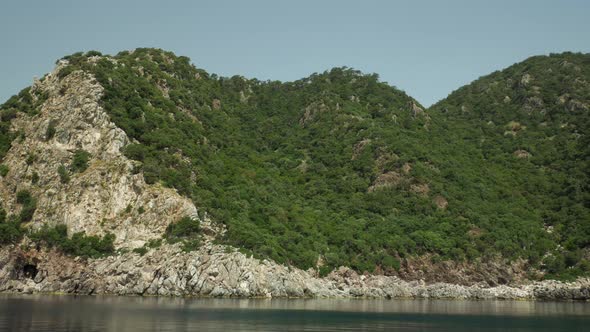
(427, 48)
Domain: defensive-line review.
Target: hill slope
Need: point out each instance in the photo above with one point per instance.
(341, 169)
(530, 123)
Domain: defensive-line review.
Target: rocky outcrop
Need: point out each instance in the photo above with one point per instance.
(219, 271)
(109, 196)
(522, 154)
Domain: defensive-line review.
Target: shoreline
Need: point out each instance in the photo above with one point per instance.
(214, 272)
(260, 298)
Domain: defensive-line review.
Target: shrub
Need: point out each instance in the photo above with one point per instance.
(150, 244)
(141, 250)
(31, 158)
(93, 53)
(51, 236)
(80, 161)
(191, 244)
(89, 246)
(27, 211)
(3, 170)
(65, 71)
(8, 114)
(10, 232)
(184, 228)
(34, 178)
(154, 243)
(391, 262)
(64, 176)
(78, 245)
(29, 205)
(50, 132)
(23, 197)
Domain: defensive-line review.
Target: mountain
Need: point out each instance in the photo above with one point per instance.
(111, 156)
(530, 123)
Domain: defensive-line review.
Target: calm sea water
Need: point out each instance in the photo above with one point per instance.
(102, 313)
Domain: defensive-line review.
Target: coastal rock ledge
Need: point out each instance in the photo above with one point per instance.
(221, 271)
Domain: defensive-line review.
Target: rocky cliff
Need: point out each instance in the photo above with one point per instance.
(108, 196)
(220, 271)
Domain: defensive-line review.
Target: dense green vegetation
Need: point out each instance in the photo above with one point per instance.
(10, 230)
(350, 169)
(185, 230)
(80, 161)
(29, 205)
(3, 170)
(542, 107)
(79, 244)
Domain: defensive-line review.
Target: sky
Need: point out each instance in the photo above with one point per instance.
(426, 48)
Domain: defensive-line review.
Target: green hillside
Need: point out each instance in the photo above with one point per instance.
(344, 169)
(530, 123)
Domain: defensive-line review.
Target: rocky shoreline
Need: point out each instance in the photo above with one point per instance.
(219, 271)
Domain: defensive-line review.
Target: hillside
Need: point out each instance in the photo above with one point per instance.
(530, 123)
(337, 169)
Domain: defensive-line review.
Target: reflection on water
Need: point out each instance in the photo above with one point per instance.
(103, 313)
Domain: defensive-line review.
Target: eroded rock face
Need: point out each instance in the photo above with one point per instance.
(108, 196)
(219, 271)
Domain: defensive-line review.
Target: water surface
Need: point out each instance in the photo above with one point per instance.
(105, 313)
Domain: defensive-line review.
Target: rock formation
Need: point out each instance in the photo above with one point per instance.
(106, 197)
(219, 271)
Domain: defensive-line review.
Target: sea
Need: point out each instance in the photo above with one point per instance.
(111, 313)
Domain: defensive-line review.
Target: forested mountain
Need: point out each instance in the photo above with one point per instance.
(530, 125)
(341, 169)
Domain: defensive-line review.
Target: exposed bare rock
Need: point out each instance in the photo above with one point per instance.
(215, 271)
(561, 100)
(162, 85)
(416, 110)
(406, 168)
(384, 159)
(440, 202)
(108, 196)
(216, 104)
(522, 154)
(421, 189)
(525, 80)
(533, 104)
(513, 128)
(360, 147)
(386, 180)
(311, 111)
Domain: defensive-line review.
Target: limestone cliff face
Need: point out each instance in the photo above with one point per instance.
(108, 196)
